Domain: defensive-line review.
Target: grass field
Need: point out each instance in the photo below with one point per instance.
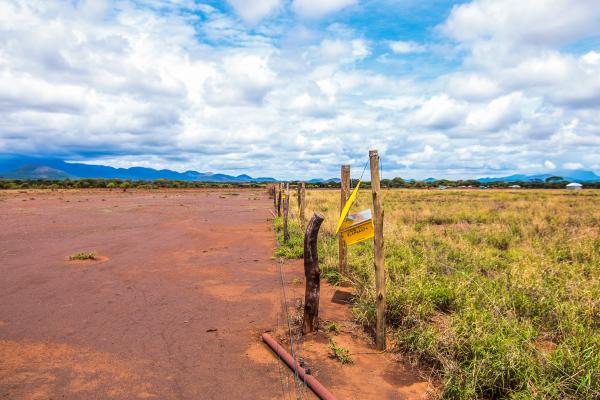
(496, 291)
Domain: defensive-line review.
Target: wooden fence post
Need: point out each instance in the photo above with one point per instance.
(310, 321)
(279, 202)
(274, 193)
(344, 194)
(378, 251)
(286, 211)
(302, 203)
(298, 197)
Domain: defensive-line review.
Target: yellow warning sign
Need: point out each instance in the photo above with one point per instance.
(358, 233)
(346, 208)
(358, 227)
(282, 196)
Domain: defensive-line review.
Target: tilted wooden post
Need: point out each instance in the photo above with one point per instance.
(279, 202)
(274, 193)
(378, 251)
(344, 194)
(286, 211)
(302, 203)
(310, 322)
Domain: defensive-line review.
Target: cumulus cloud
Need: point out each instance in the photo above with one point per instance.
(406, 47)
(500, 112)
(549, 164)
(572, 165)
(534, 22)
(297, 88)
(440, 112)
(318, 9)
(255, 10)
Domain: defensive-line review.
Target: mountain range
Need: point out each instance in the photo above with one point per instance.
(26, 167)
(571, 175)
(14, 166)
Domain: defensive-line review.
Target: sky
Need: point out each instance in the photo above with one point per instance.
(292, 89)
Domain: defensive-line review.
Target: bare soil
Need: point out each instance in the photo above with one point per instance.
(172, 308)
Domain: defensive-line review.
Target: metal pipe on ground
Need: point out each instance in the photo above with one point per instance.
(310, 380)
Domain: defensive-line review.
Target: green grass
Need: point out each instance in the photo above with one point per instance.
(83, 256)
(497, 291)
(332, 327)
(339, 353)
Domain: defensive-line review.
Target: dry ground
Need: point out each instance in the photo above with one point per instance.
(172, 309)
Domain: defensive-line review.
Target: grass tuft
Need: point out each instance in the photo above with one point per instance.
(83, 256)
(340, 353)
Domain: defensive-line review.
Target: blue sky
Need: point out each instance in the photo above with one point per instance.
(294, 88)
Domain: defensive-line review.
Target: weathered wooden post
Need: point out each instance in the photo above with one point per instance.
(302, 203)
(344, 194)
(378, 251)
(286, 211)
(274, 193)
(298, 198)
(279, 202)
(312, 272)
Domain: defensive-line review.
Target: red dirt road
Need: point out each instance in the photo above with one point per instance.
(172, 312)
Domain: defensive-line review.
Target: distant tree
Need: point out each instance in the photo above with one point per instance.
(398, 182)
(554, 179)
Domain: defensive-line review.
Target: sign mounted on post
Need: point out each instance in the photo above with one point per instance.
(357, 227)
(346, 208)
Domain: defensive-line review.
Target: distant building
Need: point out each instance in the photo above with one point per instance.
(574, 186)
(442, 187)
(515, 187)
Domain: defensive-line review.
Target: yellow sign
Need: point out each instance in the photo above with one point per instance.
(282, 196)
(358, 227)
(346, 208)
(358, 233)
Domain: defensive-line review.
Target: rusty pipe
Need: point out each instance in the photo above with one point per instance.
(310, 380)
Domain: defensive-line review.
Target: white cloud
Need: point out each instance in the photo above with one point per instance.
(533, 22)
(472, 86)
(240, 78)
(342, 51)
(500, 112)
(255, 10)
(184, 85)
(549, 164)
(406, 47)
(572, 165)
(440, 112)
(591, 58)
(321, 8)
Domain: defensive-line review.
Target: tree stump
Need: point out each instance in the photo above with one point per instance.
(312, 272)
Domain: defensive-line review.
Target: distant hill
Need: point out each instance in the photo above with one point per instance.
(26, 167)
(36, 172)
(321, 180)
(574, 175)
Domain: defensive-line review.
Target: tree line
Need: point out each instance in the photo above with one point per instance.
(98, 183)
(94, 183)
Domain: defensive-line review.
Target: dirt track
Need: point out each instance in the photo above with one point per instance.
(172, 312)
(173, 308)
